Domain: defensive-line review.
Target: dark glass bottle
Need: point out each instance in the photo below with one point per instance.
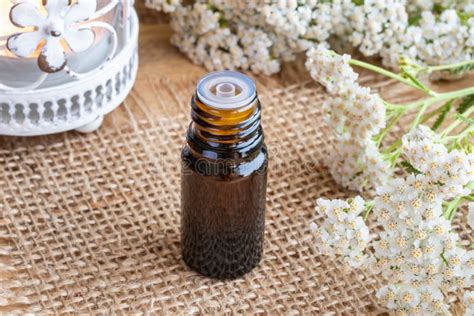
(224, 176)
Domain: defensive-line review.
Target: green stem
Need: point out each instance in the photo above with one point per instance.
(456, 94)
(419, 116)
(460, 136)
(424, 104)
(394, 157)
(456, 123)
(420, 84)
(384, 72)
(369, 206)
(385, 131)
(432, 113)
(447, 67)
(442, 97)
(395, 145)
(470, 186)
(451, 208)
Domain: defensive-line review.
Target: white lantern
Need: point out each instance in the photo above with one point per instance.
(64, 64)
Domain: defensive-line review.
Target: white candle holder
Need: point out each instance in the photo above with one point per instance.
(70, 64)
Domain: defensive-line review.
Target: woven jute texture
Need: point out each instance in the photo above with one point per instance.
(90, 223)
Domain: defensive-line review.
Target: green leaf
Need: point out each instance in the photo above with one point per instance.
(442, 115)
(223, 23)
(414, 19)
(444, 258)
(467, 120)
(464, 17)
(465, 104)
(213, 8)
(462, 69)
(407, 73)
(438, 8)
(358, 2)
(409, 167)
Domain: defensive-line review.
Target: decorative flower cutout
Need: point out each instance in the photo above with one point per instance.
(59, 26)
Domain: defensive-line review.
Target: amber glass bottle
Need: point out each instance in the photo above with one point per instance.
(224, 176)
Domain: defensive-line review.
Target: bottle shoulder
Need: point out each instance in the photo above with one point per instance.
(209, 164)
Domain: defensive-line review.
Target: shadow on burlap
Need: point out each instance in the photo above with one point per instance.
(90, 223)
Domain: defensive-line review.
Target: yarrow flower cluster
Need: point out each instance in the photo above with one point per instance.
(417, 251)
(448, 172)
(206, 34)
(428, 31)
(301, 24)
(376, 23)
(356, 116)
(343, 232)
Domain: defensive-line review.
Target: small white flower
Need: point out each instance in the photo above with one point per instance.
(408, 297)
(388, 295)
(330, 69)
(163, 5)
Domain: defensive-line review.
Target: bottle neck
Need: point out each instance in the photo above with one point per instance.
(225, 133)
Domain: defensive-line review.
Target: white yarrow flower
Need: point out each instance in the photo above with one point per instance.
(331, 70)
(343, 232)
(375, 22)
(356, 116)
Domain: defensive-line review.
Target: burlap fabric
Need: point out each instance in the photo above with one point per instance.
(90, 223)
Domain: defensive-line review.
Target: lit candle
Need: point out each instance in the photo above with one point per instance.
(64, 64)
(7, 28)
